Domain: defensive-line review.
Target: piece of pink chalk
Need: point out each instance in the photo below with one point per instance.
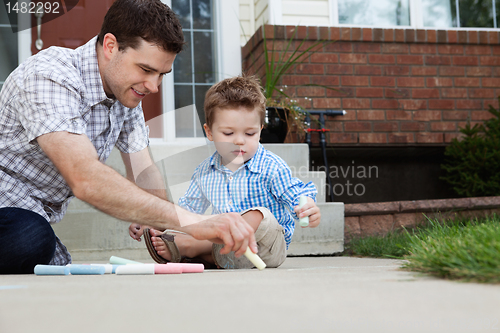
(188, 268)
(167, 269)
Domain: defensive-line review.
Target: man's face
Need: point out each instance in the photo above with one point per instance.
(132, 74)
(236, 134)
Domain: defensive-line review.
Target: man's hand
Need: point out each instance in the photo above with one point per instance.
(309, 209)
(136, 231)
(230, 229)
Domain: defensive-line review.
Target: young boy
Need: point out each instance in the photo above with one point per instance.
(241, 176)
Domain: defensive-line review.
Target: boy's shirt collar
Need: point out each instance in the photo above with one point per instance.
(254, 164)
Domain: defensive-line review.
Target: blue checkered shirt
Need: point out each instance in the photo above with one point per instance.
(263, 181)
(58, 89)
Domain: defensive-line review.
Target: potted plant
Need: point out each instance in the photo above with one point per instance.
(284, 114)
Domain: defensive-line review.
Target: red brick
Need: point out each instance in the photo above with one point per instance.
(450, 49)
(384, 126)
(478, 49)
(334, 33)
(314, 69)
(366, 48)
(412, 126)
(448, 137)
(355, 103)
(467, 82)
(465, 61)
(426, 115)
(421, 36)
(398, 115)
(324, 33)
(480, 115)
(385, 104)
(326, 103)
(325, 80)
(381, 59)
(395, 48)
(443, 126)
(491, 82)
(454, 92)
(295, 80)
(462, 37)
(410, 59)
(451, 71)
(423, 48)
(353, 58)
(313, 33)
(335, 126)
(372, 138)
(340, 92)
(411, 82)
(473, 37)
(358, 126)
(399, 35)
(431, 36)
(338, 69)
(369, 92)
(441, 104)
(351, 227)
(482, 93)
(493, 37)
(338, 47)
(345, 33)
(452, 36)
(455, 115)
(354, 80)
(439, 82)
(367, 34)
(371, 115)
(372, 225)
(389, 35)
(483, 37)
(343, 137)
(479, 71)
(397, 93)
(413, 104)
(438, 60)
(367, 70)
(383, 81)
(468, 104)
(401, 138)
(490, 61)
(310, 91)
(425, 93)
(397, 70)
(424, 71)
(430, 137)
(324, 58)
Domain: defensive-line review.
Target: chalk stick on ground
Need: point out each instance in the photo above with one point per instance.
(148, 269)
(303, 221)
(86, 270)
(188, 268)
(51, 270)
(108, 268)
(255, 259)
(122, 261)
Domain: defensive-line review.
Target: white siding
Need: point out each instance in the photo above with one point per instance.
(247, 20)
(306, 12)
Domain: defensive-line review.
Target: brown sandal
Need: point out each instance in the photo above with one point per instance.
(168, 238)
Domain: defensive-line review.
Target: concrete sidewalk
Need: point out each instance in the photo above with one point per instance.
(306, 294)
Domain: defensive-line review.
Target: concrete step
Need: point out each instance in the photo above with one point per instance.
(91, 235)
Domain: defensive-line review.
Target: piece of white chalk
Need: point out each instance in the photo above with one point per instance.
(51, 270)
(122, 261)
(108, 268)
(303, 221)
(146, 269)
(255, 259)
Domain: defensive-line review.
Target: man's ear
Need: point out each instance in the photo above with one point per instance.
(110, 45)
(208, 132)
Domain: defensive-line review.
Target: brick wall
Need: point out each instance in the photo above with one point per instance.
(399, 87)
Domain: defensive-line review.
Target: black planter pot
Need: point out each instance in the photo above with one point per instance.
(277, 128)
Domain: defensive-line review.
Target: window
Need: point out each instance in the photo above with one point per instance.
(461, 13)
(194, 68)
(374, 12)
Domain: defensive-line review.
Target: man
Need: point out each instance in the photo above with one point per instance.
(61, 113)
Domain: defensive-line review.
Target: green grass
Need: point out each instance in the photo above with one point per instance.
(459, 249)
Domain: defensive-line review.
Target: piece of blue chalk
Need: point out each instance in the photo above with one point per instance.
(86, 270)
(51, 270)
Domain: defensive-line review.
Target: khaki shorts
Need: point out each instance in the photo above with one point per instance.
(270, 237)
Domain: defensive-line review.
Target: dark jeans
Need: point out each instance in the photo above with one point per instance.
(26, 239)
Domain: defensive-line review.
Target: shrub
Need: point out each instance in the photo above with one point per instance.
(472, 163)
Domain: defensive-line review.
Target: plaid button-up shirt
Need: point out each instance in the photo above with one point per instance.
(58, 89)
(263, 181)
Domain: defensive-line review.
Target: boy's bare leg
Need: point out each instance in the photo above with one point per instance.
(190, 247)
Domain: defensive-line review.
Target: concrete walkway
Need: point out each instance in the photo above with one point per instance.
(306, 294)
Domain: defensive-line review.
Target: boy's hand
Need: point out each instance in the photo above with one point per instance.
(309, 209)
(135, 231)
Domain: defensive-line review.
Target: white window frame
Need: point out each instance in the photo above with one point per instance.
(227, 62)
(416, 19)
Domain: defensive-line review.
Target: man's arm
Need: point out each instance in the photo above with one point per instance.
(99, 185)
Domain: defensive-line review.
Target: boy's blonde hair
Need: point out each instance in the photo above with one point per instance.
(235, 92)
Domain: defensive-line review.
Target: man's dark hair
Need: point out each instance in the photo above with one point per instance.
(151, 20)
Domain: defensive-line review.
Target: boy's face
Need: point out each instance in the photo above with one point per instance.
(236, 134)
(132, 74)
